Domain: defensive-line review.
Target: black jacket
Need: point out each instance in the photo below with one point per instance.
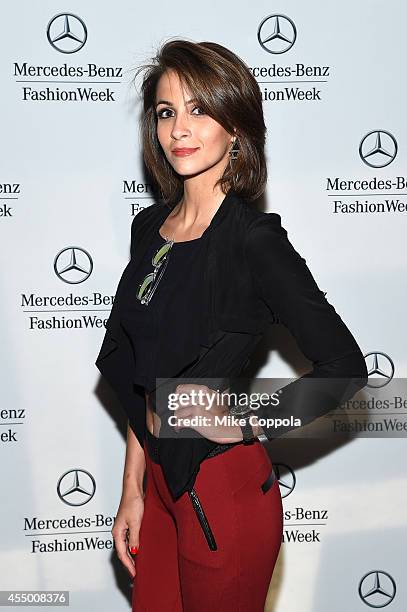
(254, 277)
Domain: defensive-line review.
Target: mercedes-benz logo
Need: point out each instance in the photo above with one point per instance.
(276, 33)
(76, 487)
(67, 33)
(286, 478)
(73, 265)
(381, 367)
(377, 589)
(378, 148)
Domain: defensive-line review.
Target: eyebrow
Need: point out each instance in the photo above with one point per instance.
(171, 104)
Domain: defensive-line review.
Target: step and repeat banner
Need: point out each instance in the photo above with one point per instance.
(333, 82)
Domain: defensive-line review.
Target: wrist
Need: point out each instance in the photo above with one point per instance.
(248, 427)
(257, 429)
(132, 494)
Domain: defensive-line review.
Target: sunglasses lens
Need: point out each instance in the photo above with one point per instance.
(160, 255)
(145, 286)
(149, 284)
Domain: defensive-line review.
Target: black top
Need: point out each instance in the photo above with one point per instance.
(171, 316)
(252, 277)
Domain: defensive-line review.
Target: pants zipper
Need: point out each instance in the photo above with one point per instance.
(196, 504)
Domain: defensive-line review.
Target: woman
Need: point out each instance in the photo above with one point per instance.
(208, 273)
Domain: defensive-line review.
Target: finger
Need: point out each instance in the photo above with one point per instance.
(188, 387)
(122, 550)
(185, 411)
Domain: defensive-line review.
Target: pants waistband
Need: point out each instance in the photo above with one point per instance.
(152, 443)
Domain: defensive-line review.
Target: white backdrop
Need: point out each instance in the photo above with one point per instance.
(71, 181)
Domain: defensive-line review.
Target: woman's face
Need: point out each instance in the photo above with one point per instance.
(201, 141)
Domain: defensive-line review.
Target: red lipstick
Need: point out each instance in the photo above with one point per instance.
(184, 151)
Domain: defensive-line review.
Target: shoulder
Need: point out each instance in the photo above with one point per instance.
(260, 225)
(149, 211)
(267, 240)
(253, 228)
(146, 215)
(253, 219)
(142, 221)
(266, 224)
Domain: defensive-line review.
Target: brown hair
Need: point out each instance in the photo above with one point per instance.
(227, 91)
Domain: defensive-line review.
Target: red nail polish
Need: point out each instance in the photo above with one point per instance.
(133, 550)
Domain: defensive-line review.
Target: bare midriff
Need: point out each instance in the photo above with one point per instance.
(153, 421)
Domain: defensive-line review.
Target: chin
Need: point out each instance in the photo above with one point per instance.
(186, 168)
(190, 169)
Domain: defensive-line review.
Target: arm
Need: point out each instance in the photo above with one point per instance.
(115, 360)
(134, 466)
(129, 515)
(284, 282)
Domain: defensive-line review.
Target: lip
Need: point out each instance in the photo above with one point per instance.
(184, 151)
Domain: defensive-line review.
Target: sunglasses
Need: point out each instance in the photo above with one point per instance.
(150, 282)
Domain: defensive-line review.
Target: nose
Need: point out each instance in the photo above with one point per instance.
(180, 128)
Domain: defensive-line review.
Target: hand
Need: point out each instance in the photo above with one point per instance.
(206, 404)
(126, 529)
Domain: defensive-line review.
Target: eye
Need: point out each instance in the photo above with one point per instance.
(160, 113)
(200, 109)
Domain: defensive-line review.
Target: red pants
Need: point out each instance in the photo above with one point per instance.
(178, 568)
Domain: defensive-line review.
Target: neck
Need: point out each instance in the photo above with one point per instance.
(198, 204)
